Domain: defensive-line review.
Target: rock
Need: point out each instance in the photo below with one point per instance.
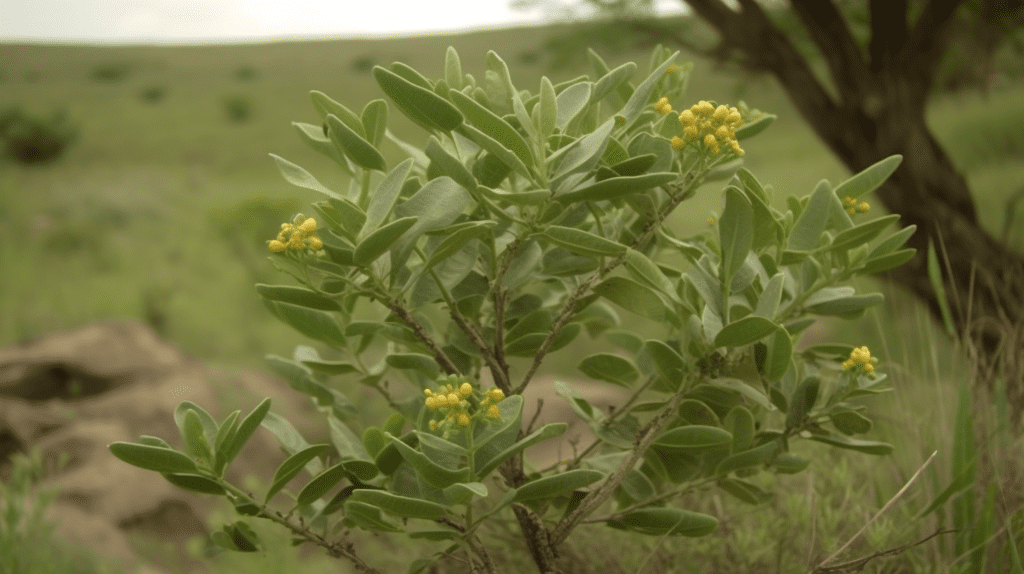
(72, 394)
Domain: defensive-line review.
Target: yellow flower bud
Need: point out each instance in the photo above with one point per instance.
(315, 243)
(671, 69)
(686, 118)
(678, 143)
(428, 392)
(466, 389)
(705, 107)
(286, 227)
(863, 207)
(277, 246)
(496, 395)
(721, 112)
(433, 425)
(463, 419)
(493, 412)
(722, 133)
(735, 118)
(690, 132)
(710, 141)
(736, 149)
(308, 226)
(453, 399)
(712, 221)
(849, 202)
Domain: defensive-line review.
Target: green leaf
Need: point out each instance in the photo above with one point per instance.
(292, 466)
(491, 124)
(757, 456)
(692, 439)
(455, 241)
(642, 95)
(571, 101)
(886, 262)
(414, 362)
(893, 242)
(369, 517)
(869, 179)
(432, 473)
(845, 442)
(315, 138)
(437, 204)
(612, 80)
(449, 165)
(312, 323)
(751, 129)
(195, 483)
(325, 106)
(582, 155)
(375, 121)
(649, 273)
(459, 493)
(666, 360)
(154, 441)
(616, 187)
(498, 149)
(850, 422)
(768, 302)
(297, 296)
(195, 439)
(245, 430)
(610, 368)
(787, 463)
(846, 305)
(745, 331)
(548, 108)
(453, 68)
(383, 200)
(207, 428)
(744, 389)
(802, 401)
(696, 412)
(666, 521)
(543, 433)
(581, 242)
(935, 279)
(551, 486)
(780, 352)
(530, 197)
(527, 345)
(808, 227)
(492, 439)
(360, 151)
(633, 297)
(740, 422)
(399, 505)
(735, 230)
(153, 458)
(378, 242)
(320, 484)
(420, 104)
(860, 234)
(298, 176)
(291, 440)
(744, 491)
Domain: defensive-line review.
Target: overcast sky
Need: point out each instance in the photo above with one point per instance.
(186, 21)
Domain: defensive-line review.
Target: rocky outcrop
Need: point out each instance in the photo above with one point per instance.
(72, 394)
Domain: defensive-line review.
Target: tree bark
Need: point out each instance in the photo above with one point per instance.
(878, 111)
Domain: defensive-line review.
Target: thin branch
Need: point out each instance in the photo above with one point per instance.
(643, 441)
(421, 333)
(859, 564)
(879, 513)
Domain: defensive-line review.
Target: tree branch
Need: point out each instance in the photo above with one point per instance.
(421, 333)
(929, 39)
(888, 32)
(828, 30)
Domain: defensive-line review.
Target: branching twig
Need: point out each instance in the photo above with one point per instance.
(879, 513)
(858, 564)
(439, 354)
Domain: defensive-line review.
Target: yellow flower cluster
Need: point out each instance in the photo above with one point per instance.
(711, 126)
(860, 357)
(671, 70)
(454, 403)
(852, 206)
(662, 106)
(296, 236)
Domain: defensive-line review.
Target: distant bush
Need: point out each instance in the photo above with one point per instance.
(153, 94)
(529, 58)
(364, 63)
(111, 72)
(246, 74)
(31, 139)
(238, 108)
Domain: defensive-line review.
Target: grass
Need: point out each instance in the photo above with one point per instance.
(182, 185)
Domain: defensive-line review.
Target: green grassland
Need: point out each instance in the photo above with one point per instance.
(161, 208)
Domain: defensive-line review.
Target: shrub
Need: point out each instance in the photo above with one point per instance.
(31, 139)
(246, 74)
(363, 64)
(238, 109)
(111, 72)
(525, 221)
(153, 94)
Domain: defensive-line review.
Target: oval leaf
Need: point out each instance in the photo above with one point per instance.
(666, 521)
(153, 458)
(360, 151)
(551, 486)
(292, 466)
(399, 505)
(693, 438)
(195, 483)
(582, 243)
(378, 242)
(745, 331)
(419, 104)
(609, 368)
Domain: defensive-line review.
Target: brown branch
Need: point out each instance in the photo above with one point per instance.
(858, 564)
(828, 31)
(929, 39)
(439, 354)
(469, 329)
(643, 441)
(888, 32)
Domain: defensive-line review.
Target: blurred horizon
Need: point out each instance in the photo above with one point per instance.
(212, 22)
